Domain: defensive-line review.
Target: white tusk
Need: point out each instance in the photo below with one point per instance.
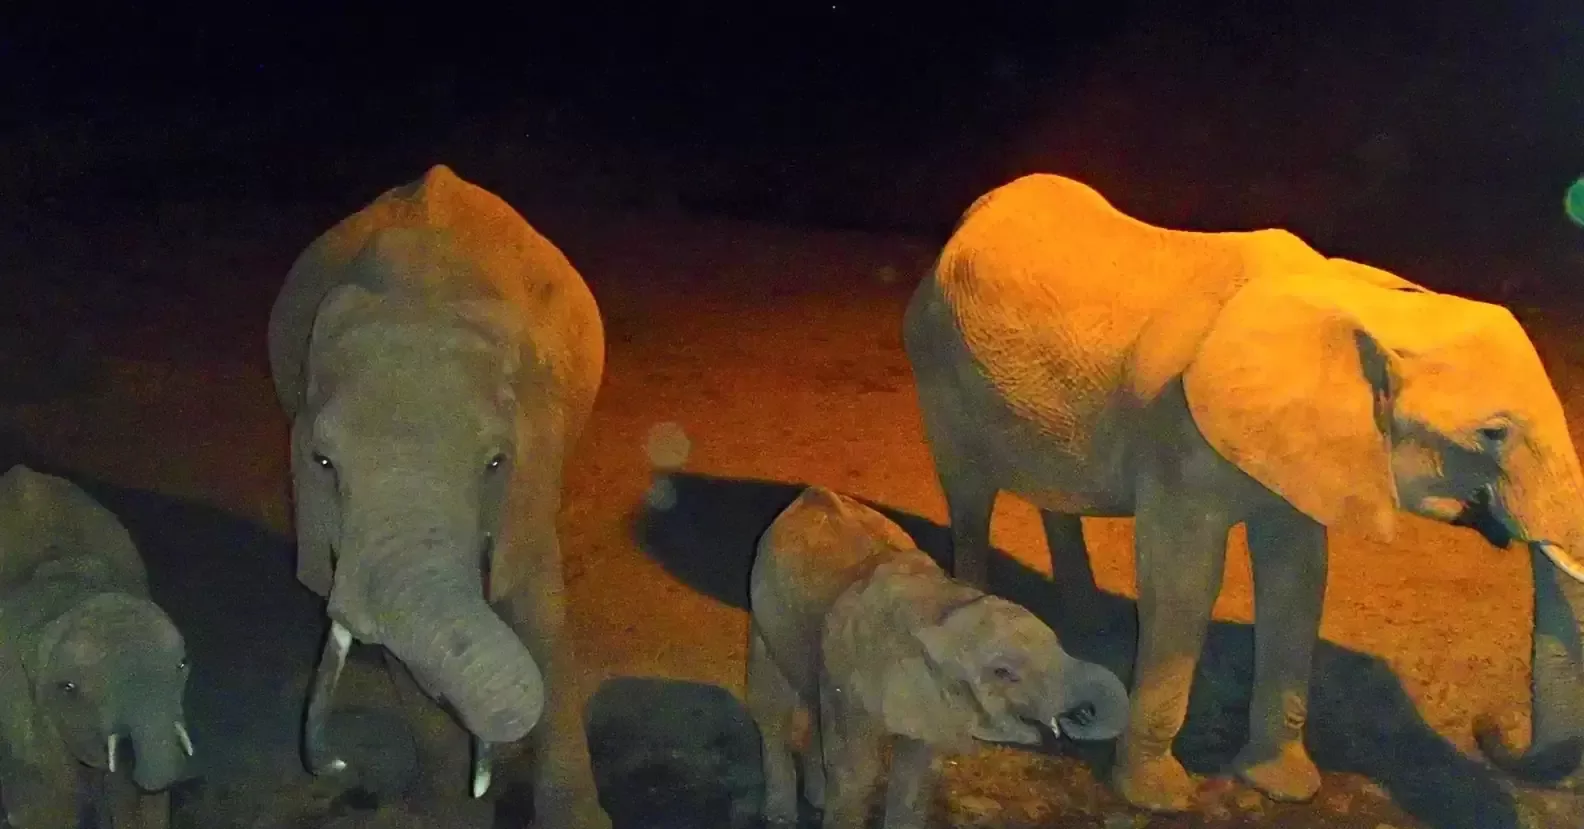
(110, 750)
(186, 739)
(1055, 726)
(1563, 562)
(481, 767)
(342, 636)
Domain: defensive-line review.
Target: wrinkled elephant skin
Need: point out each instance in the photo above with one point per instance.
(855, 628)
(1096, 365)
(438, 359)
(90, 666)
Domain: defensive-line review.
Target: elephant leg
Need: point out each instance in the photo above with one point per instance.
(563, 776)
(1180, 546)
(1073, 575)
(1288, 552)
(813, 764)
(772, 703)
(852, 745)
(911, 784)
(970, 503)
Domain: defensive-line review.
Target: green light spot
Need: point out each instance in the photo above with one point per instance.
(1574, 202)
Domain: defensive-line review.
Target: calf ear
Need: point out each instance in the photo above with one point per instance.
(917, 701)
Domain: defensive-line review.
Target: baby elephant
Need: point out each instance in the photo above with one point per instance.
(856, 628)
(88, 664)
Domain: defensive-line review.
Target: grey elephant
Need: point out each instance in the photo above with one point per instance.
(88, 665)
(859, 635)
(438, 359)
(1096, 365)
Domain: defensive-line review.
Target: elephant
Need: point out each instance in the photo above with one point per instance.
(89, 664)
(438, 359)
(1095, 365)
(864, 638)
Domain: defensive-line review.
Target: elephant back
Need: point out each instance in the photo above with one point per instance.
(44, 518)
(512, 261)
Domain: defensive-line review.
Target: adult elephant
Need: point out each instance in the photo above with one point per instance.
(438, 359)
(1096, 365)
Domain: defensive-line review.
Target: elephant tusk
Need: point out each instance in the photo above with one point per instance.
(1055, 726)
(110, 750)
(481, 767)
(1562, 560)
(322, 697)
(184, 737)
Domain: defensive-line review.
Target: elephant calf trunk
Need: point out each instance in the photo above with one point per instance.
(1094, 705)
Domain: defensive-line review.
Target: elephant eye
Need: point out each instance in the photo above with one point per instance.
(1493, 434)
(323, 461)
(496, 462)
(182, 664)
(67, 686)
(1004, 673)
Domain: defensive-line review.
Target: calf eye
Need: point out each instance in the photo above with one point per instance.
(323, 461)
(67, 686)
(496, 462)
(1004, 673)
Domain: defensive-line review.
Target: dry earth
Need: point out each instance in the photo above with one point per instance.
(777, 351)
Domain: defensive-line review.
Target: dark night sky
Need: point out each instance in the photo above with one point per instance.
(853, 103)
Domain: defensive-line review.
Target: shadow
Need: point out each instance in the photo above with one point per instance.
(672, 754)
(1361, 721)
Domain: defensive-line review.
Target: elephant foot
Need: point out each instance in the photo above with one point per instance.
(1156, 784)
(1288, 775)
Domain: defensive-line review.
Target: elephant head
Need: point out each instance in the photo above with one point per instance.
(111, 673)
(1353, 398)
(401, 458)
(987, 669)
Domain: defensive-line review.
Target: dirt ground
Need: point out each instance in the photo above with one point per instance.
(777, 351)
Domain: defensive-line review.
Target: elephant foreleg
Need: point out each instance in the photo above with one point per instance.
(911, 784)
(1180, 546)
(852, 743)
(563, 779)
(320, 759)
(773, 702)
(1288, 552)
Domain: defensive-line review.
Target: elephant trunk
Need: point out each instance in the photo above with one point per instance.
(1091, 704)
(413, 581)
(1556, 744)
(159, 752)
(458, 649)
(1544, 501)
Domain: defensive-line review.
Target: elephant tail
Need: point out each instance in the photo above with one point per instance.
(1544, 764)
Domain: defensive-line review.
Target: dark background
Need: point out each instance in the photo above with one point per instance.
(1389, 131)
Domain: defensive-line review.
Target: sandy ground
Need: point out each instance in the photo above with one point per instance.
(777, 351)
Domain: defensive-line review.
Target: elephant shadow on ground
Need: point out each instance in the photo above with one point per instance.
(1362, 721)
(253, 634)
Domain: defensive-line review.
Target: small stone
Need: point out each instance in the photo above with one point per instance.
(975, 808)
(662, 494)
(1122, 820)
(1250, 801)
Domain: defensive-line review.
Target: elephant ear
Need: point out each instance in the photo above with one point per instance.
(1294, 389)
(20, 728)
(892, 676)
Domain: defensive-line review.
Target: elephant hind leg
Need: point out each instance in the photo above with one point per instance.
(970, 503)
(1288, 553)
(1081, 605)
(772, 703)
